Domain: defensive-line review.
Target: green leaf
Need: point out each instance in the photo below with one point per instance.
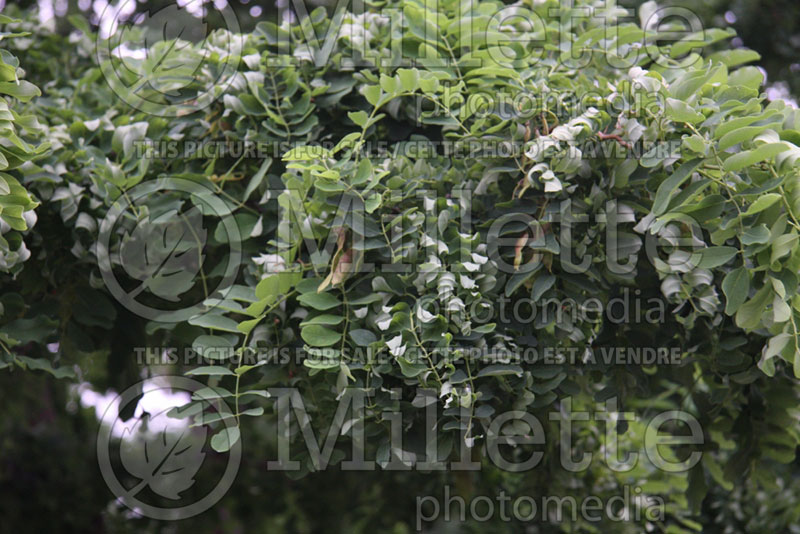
(210, 370)
(736, 57)
(517, 279)
(763, 202)
(277, 284)
(541, 285)
(43, 364)
(242, 369)
(500, 370)
(324, 319)
(319, 301)
(750, 77)
(796, 362)
(781, 312)
(751, 312)
(36, 329)
(319, 336)
(358, 117)
(695, 143)
(782, 246)
(247, 326)
(773, 348)
(211, 393)
(80, 23)
(748, 158)
(409, 369)
(372, 203)
(741, 122)
(257, 178)
(715, 256)
(372, 93)
(700, 39)
(740, 135)
(716, 472)
(23, 90)
(755, 235)
(225, 439)
(253, 412)
(680, 111)
(363, 337)
(671, 184)
(215, 322)
(429, 86)
(409, 79)
(736, 287)
(388, 84)
(697, 488)
(321, 365)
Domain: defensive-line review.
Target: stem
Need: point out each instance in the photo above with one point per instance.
(244, 347)
(424, 352)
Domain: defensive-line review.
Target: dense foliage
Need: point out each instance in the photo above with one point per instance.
(677, 148)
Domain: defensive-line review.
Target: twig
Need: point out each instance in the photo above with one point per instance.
(615, 137)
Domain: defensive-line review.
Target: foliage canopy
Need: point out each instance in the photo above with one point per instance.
(701, 223)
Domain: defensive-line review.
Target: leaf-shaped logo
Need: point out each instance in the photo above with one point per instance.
(165, 461)
(165, 254)
(165, 57)
(160, 61)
